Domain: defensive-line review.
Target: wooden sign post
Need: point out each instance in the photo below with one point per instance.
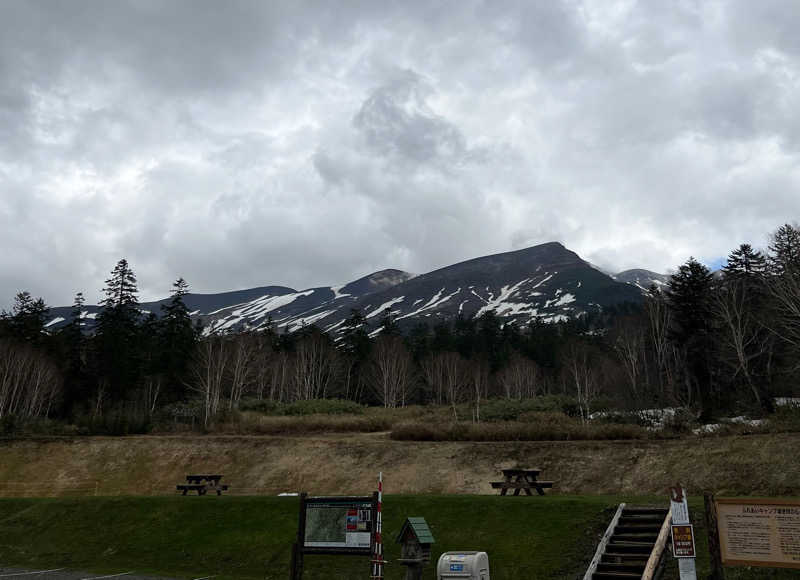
(683, 547)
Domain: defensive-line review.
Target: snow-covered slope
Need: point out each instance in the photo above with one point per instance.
(642, 279)
(546, 282)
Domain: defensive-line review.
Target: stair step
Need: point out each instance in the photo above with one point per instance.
(631, 558)
(623, 521)
(649, 538)
(622, 566)
(638, 529)
(615, 575)
(645, 510)
(628, 547)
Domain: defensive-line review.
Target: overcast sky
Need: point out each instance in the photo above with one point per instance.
(240, 144)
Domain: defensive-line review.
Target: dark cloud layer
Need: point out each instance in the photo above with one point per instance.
(302, 143)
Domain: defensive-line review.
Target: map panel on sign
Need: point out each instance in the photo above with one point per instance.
(338, 524)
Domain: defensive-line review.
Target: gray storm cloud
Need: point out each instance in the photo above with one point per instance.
(308, 143)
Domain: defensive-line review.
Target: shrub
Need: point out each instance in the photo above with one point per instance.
(785, 418)
(254, 423)
(266, 406)
(538, 427)
(514, 409)
(324, 407)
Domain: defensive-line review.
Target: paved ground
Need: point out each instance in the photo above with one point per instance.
(64, 574)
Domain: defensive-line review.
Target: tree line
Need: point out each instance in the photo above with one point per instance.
(716, 342)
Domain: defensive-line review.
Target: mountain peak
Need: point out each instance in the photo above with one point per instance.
(377, 282)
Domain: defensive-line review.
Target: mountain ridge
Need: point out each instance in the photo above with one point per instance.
(547, 282)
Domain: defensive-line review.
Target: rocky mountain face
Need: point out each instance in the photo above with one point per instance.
(546, 282)
(642, 279)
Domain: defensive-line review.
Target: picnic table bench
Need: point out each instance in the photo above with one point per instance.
(202, 484)
(521, 480)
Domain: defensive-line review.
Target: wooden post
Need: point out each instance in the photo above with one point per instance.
(717, 571)
(296, 569)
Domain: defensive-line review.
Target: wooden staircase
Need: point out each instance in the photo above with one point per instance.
(632, 546)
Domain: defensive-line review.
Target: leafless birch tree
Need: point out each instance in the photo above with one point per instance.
(390, 371)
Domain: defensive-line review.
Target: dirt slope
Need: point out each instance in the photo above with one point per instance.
(758, 464)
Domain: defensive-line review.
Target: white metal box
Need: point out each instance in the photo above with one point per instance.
(471, 565)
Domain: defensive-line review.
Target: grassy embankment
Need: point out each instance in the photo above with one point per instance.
(250, 537)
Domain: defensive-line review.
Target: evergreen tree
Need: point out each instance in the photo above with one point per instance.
(76, 379)
(689, 294)
(119, 361)
(785, 249)
(745, 262)
(355, 340)
(27, 319)
(388, 324)
(178, 338)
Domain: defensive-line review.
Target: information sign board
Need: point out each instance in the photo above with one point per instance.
(759, 532)
(338, 525)
(683, 541)
(679, 506)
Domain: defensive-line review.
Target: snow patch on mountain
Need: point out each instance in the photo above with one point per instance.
(562, 300)
(385, 306)
(432, 303)
(501, 304)
(337, 292)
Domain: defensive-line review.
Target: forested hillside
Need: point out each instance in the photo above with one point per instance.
(714, 343)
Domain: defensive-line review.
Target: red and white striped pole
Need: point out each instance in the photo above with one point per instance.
(377, 567)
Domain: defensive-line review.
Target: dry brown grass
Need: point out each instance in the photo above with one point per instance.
(537, 427)
(256, 424)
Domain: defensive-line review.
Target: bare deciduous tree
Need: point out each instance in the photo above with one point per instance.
(316, 366)
(743, 337)
(445, 375)
(390, 371)
(629, 344)
(520, 379)
(243, 350)
(583, 377)
(478, 380)
(208, 374)
(29, 381)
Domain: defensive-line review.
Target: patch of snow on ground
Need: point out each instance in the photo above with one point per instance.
(385, 305)
(787, 401)
(87, 314)
(194, 312)
(461, 306)
(713, 427)
(56, 320)
(652, 418)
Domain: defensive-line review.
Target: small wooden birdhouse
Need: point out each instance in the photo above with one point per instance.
(416, 539)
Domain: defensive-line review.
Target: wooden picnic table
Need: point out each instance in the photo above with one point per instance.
(202, 484)
(521, 480)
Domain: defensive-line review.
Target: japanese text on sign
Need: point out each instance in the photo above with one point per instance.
(759, 532)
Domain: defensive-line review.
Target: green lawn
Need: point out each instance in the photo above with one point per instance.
(251, 537)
